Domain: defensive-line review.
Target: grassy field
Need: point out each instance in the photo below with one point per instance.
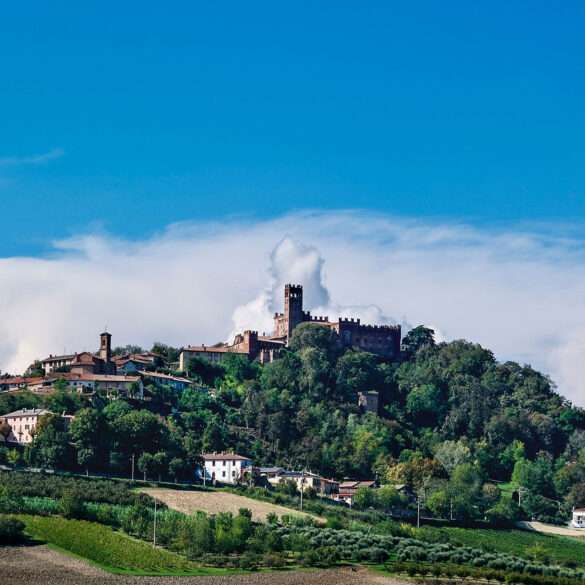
(516, 542)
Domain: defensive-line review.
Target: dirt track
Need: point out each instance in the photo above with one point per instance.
(561, 530)
(39, 565)
(214, 502)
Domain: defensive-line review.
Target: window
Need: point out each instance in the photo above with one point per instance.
(223, 473)
(224, 462)
(347, 336)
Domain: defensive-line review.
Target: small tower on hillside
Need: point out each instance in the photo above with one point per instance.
(293, 306)
(105, 346)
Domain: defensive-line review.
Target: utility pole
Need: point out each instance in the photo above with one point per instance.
(132, 466)
(521, 490)
(302, 485)
(154, 530)
(418, 512)
(451, 508)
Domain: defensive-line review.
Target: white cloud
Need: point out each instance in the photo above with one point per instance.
(32, 160)
(518, 292)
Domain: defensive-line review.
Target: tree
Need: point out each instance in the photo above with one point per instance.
(439, 503)
(86, 432)
(13, 457)
(286, 486)
(425, 404)
(357, 371)
(388, 497)
(5, 430)
(145, 463)
(85, 456)
(417, 338)
(176, 468)
(451, 454)
(160, 463)
(364, 497)
(214, 435)
(312, 335)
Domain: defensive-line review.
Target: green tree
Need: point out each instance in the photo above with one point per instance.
(312, 335)
(160, 463)
(418, 337)
(365, 497)
(176, 468)
(145, 463)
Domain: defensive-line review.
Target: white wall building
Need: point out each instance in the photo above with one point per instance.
(578, 520)
(225, 468)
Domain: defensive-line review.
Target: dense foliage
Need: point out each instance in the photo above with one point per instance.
(452, 423)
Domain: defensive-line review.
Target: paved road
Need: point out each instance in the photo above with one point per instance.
(561, 530)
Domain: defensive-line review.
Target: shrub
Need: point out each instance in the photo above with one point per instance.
(249, 561)
(11, 529)
(71, 504)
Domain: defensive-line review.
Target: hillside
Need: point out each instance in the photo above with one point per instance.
(451, 422)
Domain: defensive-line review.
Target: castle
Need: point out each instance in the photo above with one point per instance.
(383, 340)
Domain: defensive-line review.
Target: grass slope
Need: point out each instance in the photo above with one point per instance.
(106, 548)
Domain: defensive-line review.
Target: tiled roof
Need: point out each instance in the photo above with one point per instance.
(226, 457)
(114, 378)
(19, 380)
(223, 349)
(70, 376)
(53, 358)
(165, 377)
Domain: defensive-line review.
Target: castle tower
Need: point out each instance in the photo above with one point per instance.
(293, 306)
(105, 347)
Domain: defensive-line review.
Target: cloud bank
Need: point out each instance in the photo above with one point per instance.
(516, 291)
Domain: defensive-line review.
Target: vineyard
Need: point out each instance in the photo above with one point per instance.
(106, 547)
(516, 542)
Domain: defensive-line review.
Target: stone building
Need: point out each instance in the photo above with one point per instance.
(383, 340)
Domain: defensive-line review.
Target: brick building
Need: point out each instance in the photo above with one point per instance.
(379, 339)
(383, 340)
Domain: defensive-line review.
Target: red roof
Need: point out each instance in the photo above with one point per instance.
(579, 510)
(20, 380)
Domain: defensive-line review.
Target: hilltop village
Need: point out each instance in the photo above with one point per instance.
(334, 408)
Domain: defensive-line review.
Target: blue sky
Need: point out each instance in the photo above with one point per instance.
(126, 117)
(421, 162)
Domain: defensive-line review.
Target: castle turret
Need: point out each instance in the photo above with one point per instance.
(293, 306)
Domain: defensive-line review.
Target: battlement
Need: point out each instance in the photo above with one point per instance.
(319, 320)
(293, 291)
(347, 320)
(251, 333)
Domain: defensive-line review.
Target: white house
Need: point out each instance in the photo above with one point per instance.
(578, 520)
(226, 468)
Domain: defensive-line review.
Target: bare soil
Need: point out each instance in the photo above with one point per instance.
(214, 502)
(40, 565)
